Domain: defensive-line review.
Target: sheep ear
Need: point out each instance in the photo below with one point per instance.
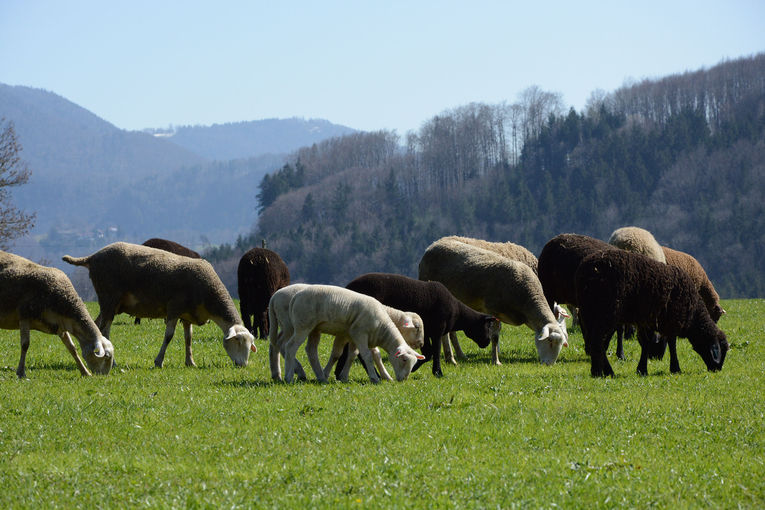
(419, 356)
(99, 352)
(545, 334)
(231, 333)
(253, 348)
(561, 312)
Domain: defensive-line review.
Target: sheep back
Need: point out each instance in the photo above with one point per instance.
(558, 262)
(637, 240)
(507, 249)
(260, 273)
(694, 269)
(172, 247)
(144, 282)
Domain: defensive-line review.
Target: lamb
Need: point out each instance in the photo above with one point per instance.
(514, 252)
(260, 273)
(705, 288)
(498, 286)
(339, 311)
(42, 298)
(440, 311)
(618, 287)
(152, 283)
(408, 323)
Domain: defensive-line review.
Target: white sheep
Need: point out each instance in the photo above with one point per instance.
(339, 311)
(513, 252)
(496, 285)
(152, 283)
(409, 325)
(42, 298)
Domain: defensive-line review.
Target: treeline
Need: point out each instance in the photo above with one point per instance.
(683, 156)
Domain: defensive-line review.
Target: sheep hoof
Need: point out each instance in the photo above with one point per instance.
(452, 361)
(497, 363)
(190, 363)
(158, 364)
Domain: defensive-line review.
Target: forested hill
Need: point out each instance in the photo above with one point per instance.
(683, 156)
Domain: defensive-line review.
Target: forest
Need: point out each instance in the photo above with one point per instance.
(682, 156)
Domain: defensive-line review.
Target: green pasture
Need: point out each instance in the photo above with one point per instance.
(520, 435)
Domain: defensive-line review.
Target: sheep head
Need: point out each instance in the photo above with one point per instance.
(413, 330)
(549, 342)
(238, 343)
(403, 360)
(100, 358)
(712, 349)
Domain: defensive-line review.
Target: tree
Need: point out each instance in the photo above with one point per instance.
(14, 223)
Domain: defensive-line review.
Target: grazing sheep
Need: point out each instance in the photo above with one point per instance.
(440, 311)
(619, 287)
(706, 290)
(493, 284)
(338, 311)
(261, 272)
(409, 324)
(172, 247)
(42, 298)
(152, 283)
(514, 252)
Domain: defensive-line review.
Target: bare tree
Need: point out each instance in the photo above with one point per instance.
(14, 223)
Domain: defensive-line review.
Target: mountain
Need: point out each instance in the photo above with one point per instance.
(92, 182)
(239, 140)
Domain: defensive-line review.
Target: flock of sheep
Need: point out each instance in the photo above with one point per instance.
(463, 284)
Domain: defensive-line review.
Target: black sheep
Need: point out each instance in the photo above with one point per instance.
(261, 272)
(617, 287)
(440, 311)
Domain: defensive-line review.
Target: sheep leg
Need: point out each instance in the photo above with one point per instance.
(169, 332)
(290, 351)
(436, 354)
(642, 367)
(339, 353)
(456, 345)
(187, 331)
(596, 339)
(620, 342)
(312, 350)
(495, 351)
(67, 339)
(366, 355)
(674, 363)
(446, 344)
(379, 364)
(24, 334)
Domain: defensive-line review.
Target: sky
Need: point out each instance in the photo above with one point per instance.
(365, 64)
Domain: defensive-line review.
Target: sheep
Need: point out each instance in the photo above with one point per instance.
(260, 273)
(705, 288)
(618, 287)
(43, 298)
(339, 311)
(147, 282)
(440, 311)
(409, 325)
(514, 252)
(172, 247)
(639, 240)
(492, 284)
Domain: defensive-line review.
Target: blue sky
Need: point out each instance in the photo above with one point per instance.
(365, 64)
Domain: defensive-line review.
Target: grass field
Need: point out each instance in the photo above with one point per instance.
(518, 435)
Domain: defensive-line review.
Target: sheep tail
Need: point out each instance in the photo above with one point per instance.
(77, 261)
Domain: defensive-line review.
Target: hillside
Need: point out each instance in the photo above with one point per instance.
(683, 156)
(223, 142)
(92, 182)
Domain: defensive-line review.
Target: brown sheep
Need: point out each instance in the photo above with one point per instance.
(261, 272)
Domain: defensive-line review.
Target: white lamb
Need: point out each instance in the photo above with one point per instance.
(339, 311)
